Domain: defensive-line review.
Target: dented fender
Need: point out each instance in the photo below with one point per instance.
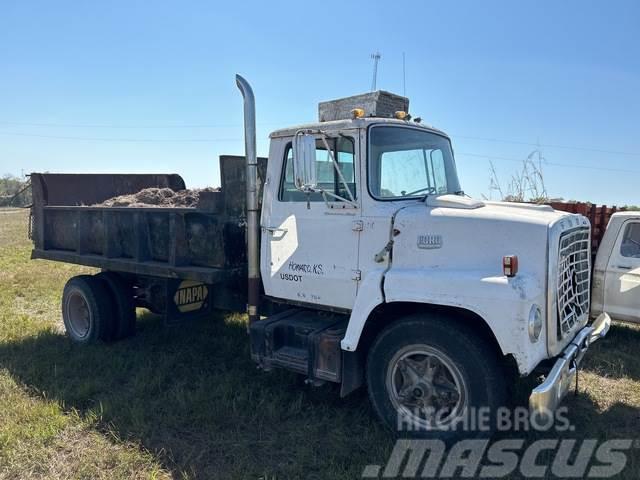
(503, 303)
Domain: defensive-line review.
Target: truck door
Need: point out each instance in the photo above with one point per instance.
(622, 278)
(309, 245)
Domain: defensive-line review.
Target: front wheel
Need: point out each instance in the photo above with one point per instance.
(430, 377)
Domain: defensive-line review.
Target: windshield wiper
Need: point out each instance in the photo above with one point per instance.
(458, 192)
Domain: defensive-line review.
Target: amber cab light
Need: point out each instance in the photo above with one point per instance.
(510, 265)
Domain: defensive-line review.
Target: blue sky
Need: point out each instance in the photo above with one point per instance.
(132, 86)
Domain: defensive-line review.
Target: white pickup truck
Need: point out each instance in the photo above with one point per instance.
(616, 274)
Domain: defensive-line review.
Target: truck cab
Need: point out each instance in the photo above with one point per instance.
(365, 216)
(616, 273)
(318, 247)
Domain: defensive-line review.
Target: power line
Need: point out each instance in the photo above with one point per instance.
(553, 164)
(118, 126)
(233, 125)
(549, 145)
(222, 140)
(108, 139)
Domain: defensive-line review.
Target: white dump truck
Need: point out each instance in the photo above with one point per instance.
(616, 274)
(358, 256)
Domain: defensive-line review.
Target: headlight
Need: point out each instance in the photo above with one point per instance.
(535, 323)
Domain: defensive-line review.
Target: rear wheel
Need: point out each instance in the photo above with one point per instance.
(121, 296)
(429, 377)
(86, 309)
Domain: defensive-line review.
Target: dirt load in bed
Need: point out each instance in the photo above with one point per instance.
(158, 197)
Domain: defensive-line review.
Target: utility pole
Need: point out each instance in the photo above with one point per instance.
(376, 57)
(404, 77)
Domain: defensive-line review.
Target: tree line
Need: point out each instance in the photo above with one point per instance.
(15, 191)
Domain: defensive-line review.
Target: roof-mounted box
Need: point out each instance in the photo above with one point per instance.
(375, 104)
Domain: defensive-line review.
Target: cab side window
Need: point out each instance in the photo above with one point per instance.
(630, 246)
(328, 178)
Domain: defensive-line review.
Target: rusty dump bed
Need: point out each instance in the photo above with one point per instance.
(204, 243)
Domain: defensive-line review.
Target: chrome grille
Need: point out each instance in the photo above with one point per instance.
(574, 278)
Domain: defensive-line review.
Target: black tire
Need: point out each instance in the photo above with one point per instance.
(86, 309)
(121, 296)
(469, 362)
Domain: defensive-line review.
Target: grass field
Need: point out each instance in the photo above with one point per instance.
(187, 402)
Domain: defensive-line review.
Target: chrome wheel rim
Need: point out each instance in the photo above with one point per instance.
(426, 388)
(78, 314)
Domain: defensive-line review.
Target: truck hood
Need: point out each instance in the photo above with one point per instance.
(451, 237)
(516, 210)
(451, 231)
(453, 201)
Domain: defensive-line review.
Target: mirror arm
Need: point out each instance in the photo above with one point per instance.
(335, 165)
(324, 193)
(311, 131)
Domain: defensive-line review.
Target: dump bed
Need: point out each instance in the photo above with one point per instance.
(204, 243)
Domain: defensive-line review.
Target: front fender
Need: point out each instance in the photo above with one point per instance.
(504, 304)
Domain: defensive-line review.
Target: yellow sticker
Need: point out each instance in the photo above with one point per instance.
(190, 296)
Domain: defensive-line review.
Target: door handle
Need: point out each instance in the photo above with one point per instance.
(624, 267)
(275, 229)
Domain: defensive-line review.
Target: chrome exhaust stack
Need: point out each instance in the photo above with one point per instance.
(253, 222)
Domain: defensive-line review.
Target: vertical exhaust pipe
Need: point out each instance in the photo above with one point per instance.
(253, 222)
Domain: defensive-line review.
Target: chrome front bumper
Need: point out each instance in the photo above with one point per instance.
(546, 397)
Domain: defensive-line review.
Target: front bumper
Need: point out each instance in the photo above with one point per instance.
(546, 397)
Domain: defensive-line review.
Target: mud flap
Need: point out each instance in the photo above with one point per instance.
(352, 372)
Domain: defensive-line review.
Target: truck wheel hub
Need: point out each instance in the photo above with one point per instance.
(425, 386)
(77, 311)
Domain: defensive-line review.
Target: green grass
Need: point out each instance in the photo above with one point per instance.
(187, 402)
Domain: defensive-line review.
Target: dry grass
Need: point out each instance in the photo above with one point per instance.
(187, 402)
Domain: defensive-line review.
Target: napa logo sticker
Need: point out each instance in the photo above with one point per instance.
(190, 296)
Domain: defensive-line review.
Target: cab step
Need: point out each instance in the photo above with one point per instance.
(300, 340)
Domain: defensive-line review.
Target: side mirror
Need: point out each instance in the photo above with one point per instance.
(304, 162)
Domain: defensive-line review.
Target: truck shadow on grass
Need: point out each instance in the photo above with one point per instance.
(191, 395)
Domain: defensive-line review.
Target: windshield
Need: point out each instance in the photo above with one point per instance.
(408, 162)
